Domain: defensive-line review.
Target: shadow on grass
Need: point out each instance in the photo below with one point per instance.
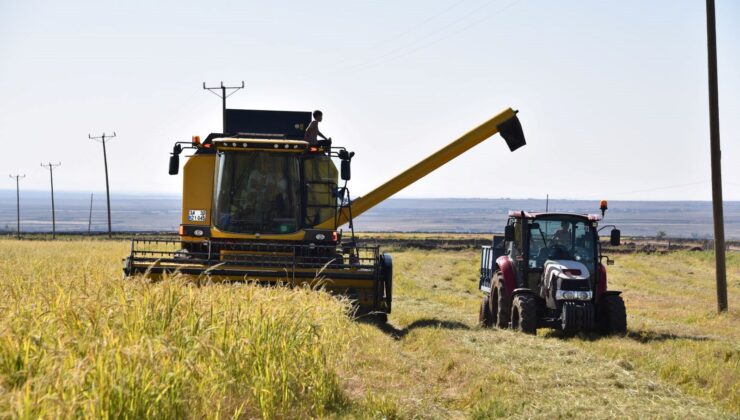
(399, 333)
(644, 337)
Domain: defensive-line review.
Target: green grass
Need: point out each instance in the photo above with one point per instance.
(78, 341)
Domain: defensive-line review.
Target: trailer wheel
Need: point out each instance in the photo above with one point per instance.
(612, 315)
(484, 316)
(524, 314)
(500, 305)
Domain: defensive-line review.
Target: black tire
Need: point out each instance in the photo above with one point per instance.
(484, 315)
(612, 315)
(380, 318)
(500, 305)
(524, 314)
(387, 271)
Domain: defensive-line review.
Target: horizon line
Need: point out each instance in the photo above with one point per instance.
(171, 195)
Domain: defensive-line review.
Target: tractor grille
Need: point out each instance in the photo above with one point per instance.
(571, 284)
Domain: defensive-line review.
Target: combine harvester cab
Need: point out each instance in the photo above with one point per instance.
(547, 271)
(261, 205)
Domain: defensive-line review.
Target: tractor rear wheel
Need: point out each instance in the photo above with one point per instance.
(500, 305)
(612, 315)
(524, 314)
(484, 316)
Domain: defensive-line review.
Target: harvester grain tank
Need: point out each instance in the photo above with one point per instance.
(260, 204)
(547, 270)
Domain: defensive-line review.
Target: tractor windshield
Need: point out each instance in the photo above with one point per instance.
(257, 192)
(561, 239)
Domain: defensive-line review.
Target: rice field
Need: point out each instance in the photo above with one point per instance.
(76, 340)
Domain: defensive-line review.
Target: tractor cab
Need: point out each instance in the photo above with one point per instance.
(553, 263)
(538, 238)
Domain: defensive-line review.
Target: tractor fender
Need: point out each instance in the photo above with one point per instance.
(601, 287)
(387, 279)
(523, 291)
(506, 267)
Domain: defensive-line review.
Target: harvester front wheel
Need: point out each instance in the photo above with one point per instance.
(612, 315)
(524, 314)
(500, 305)
(484, 316)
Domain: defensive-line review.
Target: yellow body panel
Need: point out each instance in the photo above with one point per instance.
(197, 187)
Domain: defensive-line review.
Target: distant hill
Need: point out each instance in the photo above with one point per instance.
(689, 219)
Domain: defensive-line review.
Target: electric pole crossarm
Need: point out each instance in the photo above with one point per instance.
(223, 95)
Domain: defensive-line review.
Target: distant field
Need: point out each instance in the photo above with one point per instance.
(77, 340)
(685, 219)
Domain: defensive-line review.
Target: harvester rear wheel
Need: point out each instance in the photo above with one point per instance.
(524, 314)
(484, 316)
(612, 315)
(500, 305)
(387, 277)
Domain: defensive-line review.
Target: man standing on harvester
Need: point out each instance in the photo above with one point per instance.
(312, 131)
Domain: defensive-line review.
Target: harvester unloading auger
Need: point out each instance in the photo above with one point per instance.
(260, 204)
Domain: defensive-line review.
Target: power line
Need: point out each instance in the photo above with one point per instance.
(51, 167)
(18, 201)
(223, 97)
(103, 139)
(427, 40)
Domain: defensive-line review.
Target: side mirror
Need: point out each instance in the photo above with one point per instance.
(509, 233)
(175, 159)
(345, 169)
(615, 238)
(174, 164)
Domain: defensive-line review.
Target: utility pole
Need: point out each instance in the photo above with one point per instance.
(18, 201)
(51, 167)
(716, 156)
(547, 203)
(89, 220)
(223, 97)
(103, 139)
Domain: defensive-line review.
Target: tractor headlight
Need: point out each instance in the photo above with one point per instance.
(573, 295)
(584, 295)
(567, 294)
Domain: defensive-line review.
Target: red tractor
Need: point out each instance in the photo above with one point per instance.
(547, 272)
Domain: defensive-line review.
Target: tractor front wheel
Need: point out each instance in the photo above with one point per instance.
(524, 314)
(500, 305)
(484, 316)
(612, 315)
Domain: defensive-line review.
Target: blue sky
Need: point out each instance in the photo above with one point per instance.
(612, 95)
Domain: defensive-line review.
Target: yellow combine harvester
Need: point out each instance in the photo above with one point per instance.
(260, 204)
